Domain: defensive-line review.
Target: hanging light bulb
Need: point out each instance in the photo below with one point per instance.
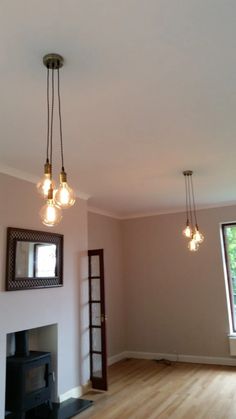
(49, 213)
(198, 236)
(45, 182)
(64, 196)
(193, 245)
(187, 232)
(191, 214)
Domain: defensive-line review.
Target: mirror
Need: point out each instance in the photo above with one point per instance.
(34, 259)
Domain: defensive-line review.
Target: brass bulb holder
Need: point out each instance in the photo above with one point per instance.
(63, 176)
(50, 193)
(47, 168)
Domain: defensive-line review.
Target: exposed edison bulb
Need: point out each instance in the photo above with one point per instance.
(46, 182)
(64, 196)
(193, 245)
(187, 232)
(50, 214)
(198, 237)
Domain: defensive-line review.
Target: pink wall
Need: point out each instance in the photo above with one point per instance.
(175, 299)
(105, 233)
(65, 306)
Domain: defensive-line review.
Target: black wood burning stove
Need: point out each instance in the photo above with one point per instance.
(28, 378)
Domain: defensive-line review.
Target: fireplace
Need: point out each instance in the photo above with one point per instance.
(28, 377)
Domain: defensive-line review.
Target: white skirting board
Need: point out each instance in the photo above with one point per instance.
(195, 359)
(116, 358)
(74, 392)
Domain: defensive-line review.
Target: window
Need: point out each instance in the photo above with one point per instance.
(45, 260)
(229, 240)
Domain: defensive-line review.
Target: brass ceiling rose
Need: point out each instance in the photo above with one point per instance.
(53, 61)
(188, 173)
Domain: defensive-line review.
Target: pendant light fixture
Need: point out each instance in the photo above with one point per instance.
(64, 197)
(191, 231)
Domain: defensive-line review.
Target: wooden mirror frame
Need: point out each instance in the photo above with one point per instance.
(17, 234)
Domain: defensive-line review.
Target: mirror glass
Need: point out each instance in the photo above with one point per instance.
(35, 260)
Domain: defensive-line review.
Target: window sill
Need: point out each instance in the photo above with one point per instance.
(232, 344)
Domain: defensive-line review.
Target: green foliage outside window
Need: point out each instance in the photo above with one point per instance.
(231, 251)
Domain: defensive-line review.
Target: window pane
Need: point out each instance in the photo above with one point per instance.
(96, 340)
(95, 266)
(45, 260)
(95, 286)
(230, 259)
(97, 365)
(96, 314)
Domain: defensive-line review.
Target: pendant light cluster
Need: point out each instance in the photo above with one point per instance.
(191, 230)
(63, 197)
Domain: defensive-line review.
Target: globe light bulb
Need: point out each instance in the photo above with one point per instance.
(44, 184)
(64, 196)
(193, 245)
(46, 181)
(50, 214)
(187, 232)
(198, 237)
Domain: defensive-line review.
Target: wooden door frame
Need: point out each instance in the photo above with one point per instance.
(97, 382)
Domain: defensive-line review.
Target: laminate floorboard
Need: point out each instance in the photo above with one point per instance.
(146, 389)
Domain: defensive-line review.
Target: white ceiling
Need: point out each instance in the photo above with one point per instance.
(148, 90)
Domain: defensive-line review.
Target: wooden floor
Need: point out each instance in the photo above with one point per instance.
(145, 389)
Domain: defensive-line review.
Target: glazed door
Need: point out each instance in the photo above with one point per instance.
(97, 321)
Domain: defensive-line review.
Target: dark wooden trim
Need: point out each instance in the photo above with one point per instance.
(98, 382)
(226, 258)
(35, 258)
(90, 313)
(18, 234)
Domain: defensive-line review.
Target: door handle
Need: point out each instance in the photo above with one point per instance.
(103, 318)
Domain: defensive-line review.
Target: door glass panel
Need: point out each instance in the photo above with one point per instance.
(96, 340)
(95, 284)
(97, 365)
(95, 266)
(96, 314)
